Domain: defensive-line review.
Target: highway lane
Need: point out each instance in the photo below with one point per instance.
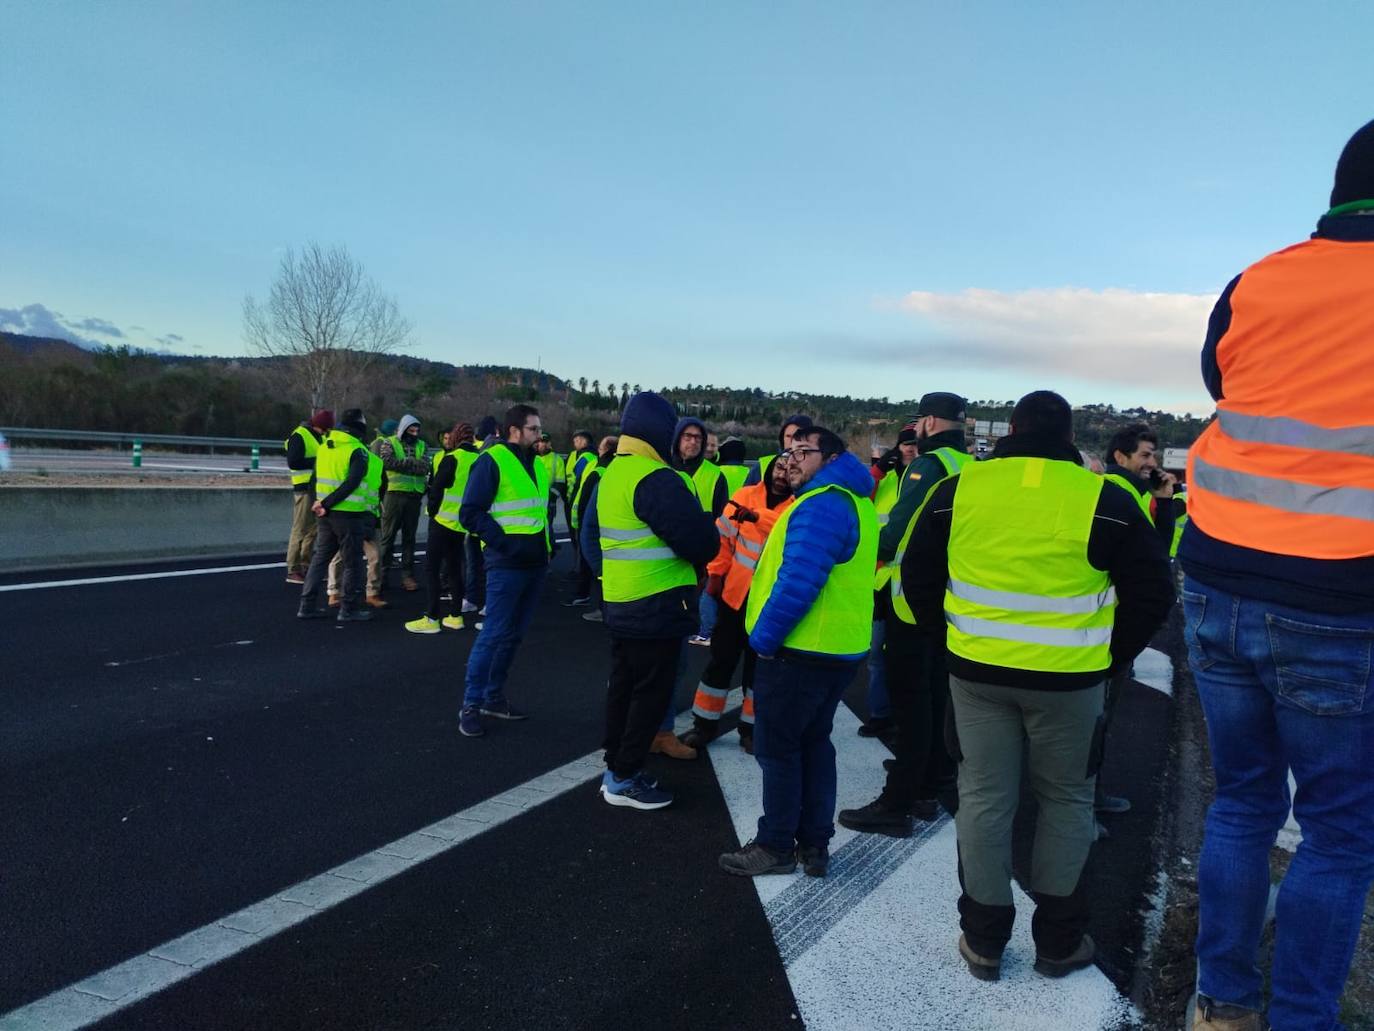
(177, 749)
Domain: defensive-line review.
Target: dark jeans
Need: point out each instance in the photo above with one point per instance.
(400, 512)
(640, 688)
(512, 595)
(1283, 689)
(445, 549)
(475, 580)
(794, 707)
(918, 686)
(584, 576)
(342, 532)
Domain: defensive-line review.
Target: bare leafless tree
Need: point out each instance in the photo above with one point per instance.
(328, 317)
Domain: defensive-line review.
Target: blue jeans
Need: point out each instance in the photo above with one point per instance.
(511, 598)
(474, 571)
(794, 709)
(706, 614)
(879, 704)
(1283, 689)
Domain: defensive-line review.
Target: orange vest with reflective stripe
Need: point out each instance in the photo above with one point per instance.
(1287, 467)
(743, 542)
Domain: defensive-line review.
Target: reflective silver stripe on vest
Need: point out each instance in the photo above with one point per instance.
(746, 561)
(637, 554)
(518, 503)
(327, 482)
(1078, 605)
(883, 518)
(1054, 637)
(517, 521)
(626, 535)
(726, 527)
(1288, 495)
(1286, 432)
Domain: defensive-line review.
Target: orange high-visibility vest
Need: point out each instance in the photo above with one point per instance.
(1287, 467)
(741, 544)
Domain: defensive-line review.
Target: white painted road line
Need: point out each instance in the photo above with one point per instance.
(126, 577)
(119, 987)
(1154, 669)
(889, 906)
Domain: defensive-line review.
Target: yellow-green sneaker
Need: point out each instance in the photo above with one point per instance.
(423, 625)
(453, 622)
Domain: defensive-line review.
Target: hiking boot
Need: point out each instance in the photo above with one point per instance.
(310, 612)
(701, 733)
(408, 583)
(423, 625)
(1222, 1016)
(501, 709)
(665, 743)
(470, 724)
(1076, 960)
(376, 601)
(889, 765)
(877, 818)
(637, 792)
(815, 860)
(334, 600)
(746, 738)
(1104, 803)
(985, 968)
(295, 576)
(452, 623)
(755, 859)
(878, 726)
(353, 616)
(927, 810)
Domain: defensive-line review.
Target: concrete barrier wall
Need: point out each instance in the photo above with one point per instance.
(66, 527)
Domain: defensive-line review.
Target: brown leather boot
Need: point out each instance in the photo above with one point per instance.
(376, 601)
(1212, 1016)
(666, 743)
(334, 601)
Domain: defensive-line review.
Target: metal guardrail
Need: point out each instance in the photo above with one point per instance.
(104, 437)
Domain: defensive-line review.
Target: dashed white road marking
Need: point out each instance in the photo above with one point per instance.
(1155, 669)
(903, 924)
(119, 987)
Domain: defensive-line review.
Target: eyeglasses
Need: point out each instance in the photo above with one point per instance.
(798, 454)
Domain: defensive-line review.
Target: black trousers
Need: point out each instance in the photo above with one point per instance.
(643, 672)
(444, 551)
(729, 642)
(584, 575)
(343, 532)
(918, 686)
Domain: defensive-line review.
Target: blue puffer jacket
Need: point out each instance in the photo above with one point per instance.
(822, 532)
(670, 508)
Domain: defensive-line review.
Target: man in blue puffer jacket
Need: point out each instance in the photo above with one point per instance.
(808, 618)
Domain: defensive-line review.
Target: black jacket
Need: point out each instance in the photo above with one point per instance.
(1164, 511)
(1121, 543)
(917, 480)
(297, 459)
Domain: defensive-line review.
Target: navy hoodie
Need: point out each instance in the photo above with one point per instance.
(668, 507)
(722, 491)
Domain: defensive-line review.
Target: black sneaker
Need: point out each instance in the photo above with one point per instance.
(1076, 960)
(815, 860)
(755, 859)
(701, 733)
(877, 818)
(575, 602)
(927, 810)
(310, 612)
(502, 710)
(1112, 804)
(746, 740)
(878, 726)
(353, 615)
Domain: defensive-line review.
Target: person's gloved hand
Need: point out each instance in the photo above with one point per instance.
(890, 459)
(743, 514)
(715, 584)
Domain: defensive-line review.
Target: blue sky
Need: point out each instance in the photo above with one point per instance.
(873, 199)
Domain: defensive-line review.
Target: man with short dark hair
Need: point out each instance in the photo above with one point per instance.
(1132, 460)
(1038, 578)
(809, 618)
(301, 448)
(786, 434)
(505, 503)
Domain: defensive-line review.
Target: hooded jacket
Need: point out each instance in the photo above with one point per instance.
(668, 507)
(406, 462)
(722, 492)
(821, 534)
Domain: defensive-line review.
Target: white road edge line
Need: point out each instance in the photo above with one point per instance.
(39, 585)
(127, 983)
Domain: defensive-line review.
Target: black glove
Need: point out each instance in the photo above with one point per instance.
(891, 458)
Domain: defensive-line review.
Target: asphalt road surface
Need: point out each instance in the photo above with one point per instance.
(217, 816)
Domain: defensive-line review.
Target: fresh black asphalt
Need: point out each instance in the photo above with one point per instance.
(173, 750)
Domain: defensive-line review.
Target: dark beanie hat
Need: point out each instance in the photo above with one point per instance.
(802, 422)
(907, 435)
(943, 405)
(353, 420)
(323, 420)
(1355, 169)
(487, 427)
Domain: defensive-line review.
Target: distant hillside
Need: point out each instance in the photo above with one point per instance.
(53, 383)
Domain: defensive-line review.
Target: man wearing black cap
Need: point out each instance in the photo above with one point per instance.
(917, 683)
(348, 479)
